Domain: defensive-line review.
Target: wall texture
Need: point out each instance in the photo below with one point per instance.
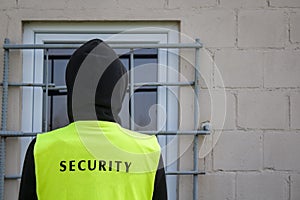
(255, 45)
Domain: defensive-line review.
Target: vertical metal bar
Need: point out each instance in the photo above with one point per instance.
(4, 118)
(2, 166)
(46, 70)
(131, 88)
(196, 121)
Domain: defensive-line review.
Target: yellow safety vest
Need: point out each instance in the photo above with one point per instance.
(95, 160)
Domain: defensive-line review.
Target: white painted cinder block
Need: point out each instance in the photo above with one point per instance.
(262, 110)
(37, 5)
(178, 4)
(262, 186)
(262, 28)
(133, 4)
(8, 4)
(215, 28)
(295, 187)
(295, 26)
(238, 151)
(285, 3)
(217, 186)
(282, 69)
(3, 32)
(240, 68)
(281, 151)
(295, 111)
(243, 3)
(105, 4)
(214, 108)
(230, 116)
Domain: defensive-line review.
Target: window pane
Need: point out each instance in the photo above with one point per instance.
(145, 70)
(146, 52)
(144, 113)
(59, 69)
(59, 113)
(125, 62)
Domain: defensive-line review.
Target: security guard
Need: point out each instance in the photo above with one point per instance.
(94, 157)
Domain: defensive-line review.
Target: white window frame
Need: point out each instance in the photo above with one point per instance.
(145, 32)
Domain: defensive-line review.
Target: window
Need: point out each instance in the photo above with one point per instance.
(48, 111)
(57, 107)
(144, 97)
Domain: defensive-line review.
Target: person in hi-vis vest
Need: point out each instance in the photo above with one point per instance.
(94, 157)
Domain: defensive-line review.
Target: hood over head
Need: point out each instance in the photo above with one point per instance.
(96, 83)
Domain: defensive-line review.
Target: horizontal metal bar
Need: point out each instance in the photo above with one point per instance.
(191, 83)
(17, 134)
(40, 46)
(29, 84)
(199, 132)
(53, 87)
(58, 88)
(31, 134)
(116, 46)
(184, 172)
(14, 177)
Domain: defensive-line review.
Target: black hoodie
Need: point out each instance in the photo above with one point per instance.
(96, 85)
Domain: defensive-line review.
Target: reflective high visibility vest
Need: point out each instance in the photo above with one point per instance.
(95, 160)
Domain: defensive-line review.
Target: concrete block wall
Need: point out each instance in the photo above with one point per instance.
(255, 45)
(261, 69)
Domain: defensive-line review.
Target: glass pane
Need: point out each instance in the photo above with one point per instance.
(145, 70)
(124, 113)
(145, 114)
(125, 62)
(146, 52)
(59, 113)
(59, 72)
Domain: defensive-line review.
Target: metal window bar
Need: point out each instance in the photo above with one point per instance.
(5, 84)
(46, 77)
(131, 88)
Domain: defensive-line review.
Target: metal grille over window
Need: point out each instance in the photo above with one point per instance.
(142, 94)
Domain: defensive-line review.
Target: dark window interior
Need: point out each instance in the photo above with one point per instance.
(145, 63)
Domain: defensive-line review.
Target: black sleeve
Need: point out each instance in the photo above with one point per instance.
(160, 186)
(28, 181)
